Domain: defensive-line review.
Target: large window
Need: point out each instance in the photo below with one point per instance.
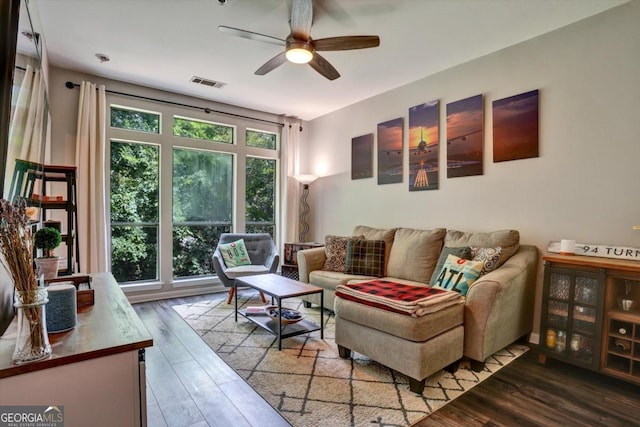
(144, 121)
(177, 184)
(256, 138)
(200, 129)
(202, 208)
(261, 195)
(134, 211)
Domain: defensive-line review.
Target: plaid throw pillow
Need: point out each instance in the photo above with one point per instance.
(365, 257)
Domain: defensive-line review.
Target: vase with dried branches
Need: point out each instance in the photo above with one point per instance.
(16, 247)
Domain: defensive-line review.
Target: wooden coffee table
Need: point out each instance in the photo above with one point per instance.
(279, 288)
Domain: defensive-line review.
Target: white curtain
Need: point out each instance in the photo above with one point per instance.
(291, 188)
(90, 161)
(26, 128)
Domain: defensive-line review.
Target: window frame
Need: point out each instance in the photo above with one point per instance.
(167, 142)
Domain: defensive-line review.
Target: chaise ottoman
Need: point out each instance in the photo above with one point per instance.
(416, 346)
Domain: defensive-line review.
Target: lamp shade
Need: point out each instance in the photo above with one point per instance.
(305, 179)
(299, 55)
(299, 52)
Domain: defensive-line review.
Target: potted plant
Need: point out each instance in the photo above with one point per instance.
(47, 239)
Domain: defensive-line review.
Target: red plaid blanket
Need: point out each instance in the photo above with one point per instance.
(399, 298)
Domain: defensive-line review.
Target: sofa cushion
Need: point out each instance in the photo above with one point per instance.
(336, 252)
(370, 233)
(245, 270)
(489, 256)
(328, 280)
(234, 253)
(410, 328)
(365, 257)
(508, 240)
(458, 274)
(414, 254)
(463, 252)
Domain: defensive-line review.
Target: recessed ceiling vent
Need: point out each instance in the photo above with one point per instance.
(207, 82)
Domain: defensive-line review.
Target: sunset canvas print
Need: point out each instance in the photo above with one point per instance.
(515, 127)
(362, 156)
(423, 146)
(390, 147)
(464, 137)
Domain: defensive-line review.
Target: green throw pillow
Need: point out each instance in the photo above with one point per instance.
(461, 252)
(458, 274)
(234, 253)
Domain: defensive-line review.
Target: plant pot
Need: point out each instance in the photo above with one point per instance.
(47, 267)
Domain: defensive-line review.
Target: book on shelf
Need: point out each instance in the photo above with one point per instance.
(254, 310)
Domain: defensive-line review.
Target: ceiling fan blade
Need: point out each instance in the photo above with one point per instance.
(271, 64)
(322, 66)
(346, 43)
(301, 19)
(251, 35)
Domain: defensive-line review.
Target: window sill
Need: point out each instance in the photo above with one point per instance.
(196, 281)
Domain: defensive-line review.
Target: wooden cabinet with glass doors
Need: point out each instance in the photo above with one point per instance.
(571, 320)
(591, 315)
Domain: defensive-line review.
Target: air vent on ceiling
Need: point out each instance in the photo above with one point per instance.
(207, 82)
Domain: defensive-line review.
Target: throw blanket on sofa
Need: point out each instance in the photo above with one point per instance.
(404, 299)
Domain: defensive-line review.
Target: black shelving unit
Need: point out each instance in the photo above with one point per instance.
(29, 177)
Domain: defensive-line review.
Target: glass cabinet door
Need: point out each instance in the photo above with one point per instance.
(571, 319)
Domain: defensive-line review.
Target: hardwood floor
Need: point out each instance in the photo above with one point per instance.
(526, 393)
(189, 385)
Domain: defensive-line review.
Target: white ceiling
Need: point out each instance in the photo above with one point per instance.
(163, 43)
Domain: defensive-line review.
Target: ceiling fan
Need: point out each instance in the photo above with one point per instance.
(300, 48)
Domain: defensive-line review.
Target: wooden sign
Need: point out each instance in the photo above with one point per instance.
(604, 251)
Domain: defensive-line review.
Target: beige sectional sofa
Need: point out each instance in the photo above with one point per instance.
(498, 307)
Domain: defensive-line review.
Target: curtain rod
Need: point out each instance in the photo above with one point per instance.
(71, 85)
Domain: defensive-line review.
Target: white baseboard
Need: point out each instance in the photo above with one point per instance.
(534, 338)
(176, 293)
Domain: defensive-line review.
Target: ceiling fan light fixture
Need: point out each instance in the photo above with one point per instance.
(299, 53)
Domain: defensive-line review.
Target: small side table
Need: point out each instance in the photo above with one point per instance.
(290, 261)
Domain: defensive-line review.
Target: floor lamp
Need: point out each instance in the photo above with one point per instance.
(305, 180)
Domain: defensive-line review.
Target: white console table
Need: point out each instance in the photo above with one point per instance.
(96, 370)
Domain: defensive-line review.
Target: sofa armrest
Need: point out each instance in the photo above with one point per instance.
(499, 306)
(310, 260)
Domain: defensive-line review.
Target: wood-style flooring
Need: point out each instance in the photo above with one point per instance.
(189, 385)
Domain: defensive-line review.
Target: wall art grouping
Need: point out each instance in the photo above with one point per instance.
(465, 137)
(424, 135)
(362, 156)
(515, 137)
(390, 149)
(515, 127)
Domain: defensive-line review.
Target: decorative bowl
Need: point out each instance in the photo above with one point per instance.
(289, 316)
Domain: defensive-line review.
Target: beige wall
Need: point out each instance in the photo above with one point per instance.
(586, 183)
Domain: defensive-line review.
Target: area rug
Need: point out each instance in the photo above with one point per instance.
(310, 385)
